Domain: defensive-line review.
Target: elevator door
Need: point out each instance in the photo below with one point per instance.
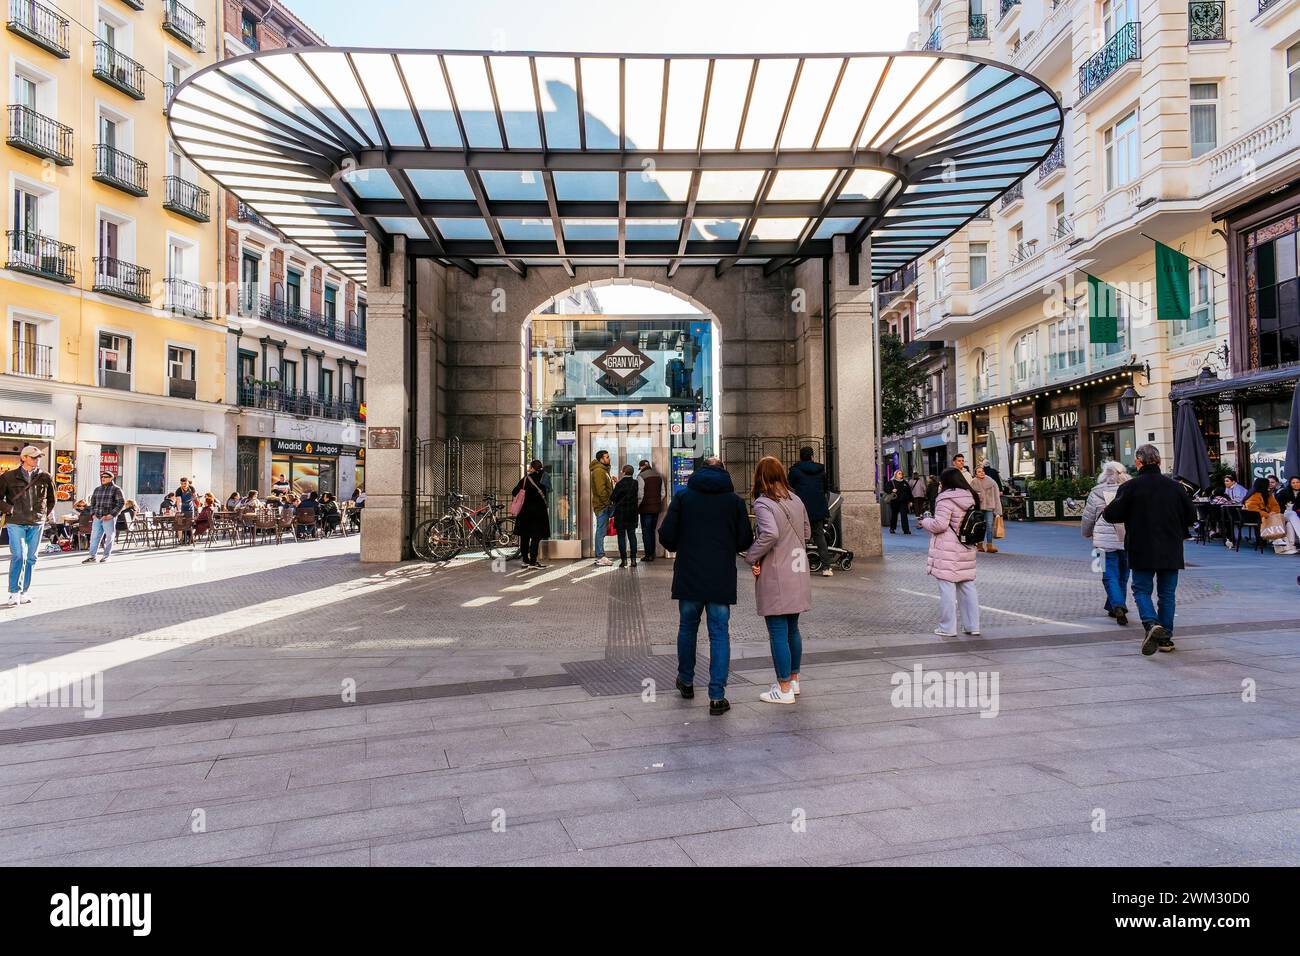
(629, 441)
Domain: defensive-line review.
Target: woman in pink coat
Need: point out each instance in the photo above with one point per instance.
(951, 562)
(782, 585)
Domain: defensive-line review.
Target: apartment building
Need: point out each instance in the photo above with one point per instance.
(114, 356)
(1180, 128)
(297, 361)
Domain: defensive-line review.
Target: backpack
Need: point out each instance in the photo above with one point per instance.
(973, 526)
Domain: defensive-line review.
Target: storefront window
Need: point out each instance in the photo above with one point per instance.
(1274, 304)
(1268, 450)
(304, 475)
(150, 473)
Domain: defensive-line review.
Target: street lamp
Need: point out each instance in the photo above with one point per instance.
(1130, 402)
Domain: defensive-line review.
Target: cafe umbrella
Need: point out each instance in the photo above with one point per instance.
(1191, 460)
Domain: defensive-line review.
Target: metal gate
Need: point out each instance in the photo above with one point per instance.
(246, 462)
(445, 467)
(740, 456)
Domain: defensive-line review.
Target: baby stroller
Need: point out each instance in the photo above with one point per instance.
(839, 557)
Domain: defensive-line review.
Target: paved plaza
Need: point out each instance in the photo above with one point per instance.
(288, 705)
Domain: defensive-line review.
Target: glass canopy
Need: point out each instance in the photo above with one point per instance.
(567, 159)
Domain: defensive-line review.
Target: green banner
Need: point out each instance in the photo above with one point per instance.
(1173, 285)
(1103, 311)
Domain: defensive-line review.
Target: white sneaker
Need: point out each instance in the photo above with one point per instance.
(794, 687)
(827, 573)
(777, 696)
(13, 600)
(971, 633)
(24, 598)
(604, 563)
(939, 632)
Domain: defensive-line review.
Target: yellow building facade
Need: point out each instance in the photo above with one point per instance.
(114, 356)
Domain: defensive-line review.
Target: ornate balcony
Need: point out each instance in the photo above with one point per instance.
(134, 4)
(935, 42)
(1053, 161)
(38, 255)
(184, 24)
(282, 313)
(47, 28)
(272, 397)
(245, 213)
(1012, 196)
(186, 298)
(1005, 7)
(122, 279)
(1124, 46)
(978, 27)
(121, 170)
(39, 135)
(186, 198)
(1205, 21)
(1265, 4)
(118, 70)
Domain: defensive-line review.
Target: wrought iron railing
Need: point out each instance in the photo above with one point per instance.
(186, 298)
(117, 69)
(39, 135)
(1012, 196)
(121, 170)
(1053, 161)
(1005, 7)
(1023, 252)
(1124, 46)
(1205, 21)
(1063, 229)
(281, 312)
(935, 42)
(983, 215)
(186, 198)
(246, 213)
(120, 278)
(276, 399)
(184, 24)
(46, 28)
(1265, 4)
(32, 360)
(978, 27)
(40, 255)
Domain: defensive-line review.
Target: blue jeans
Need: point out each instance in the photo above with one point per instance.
(1115, 580)
(648, 524)
(24, 546)
(627, 543)
(719, 644)
(1166, 583)
(787, 649)
(989, 521)
(104, 528)
(601, 526)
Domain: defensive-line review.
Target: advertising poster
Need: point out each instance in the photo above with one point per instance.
(65, 475)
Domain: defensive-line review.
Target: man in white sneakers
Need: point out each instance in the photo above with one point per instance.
(26, 501)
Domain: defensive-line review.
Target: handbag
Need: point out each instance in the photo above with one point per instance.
(999, 528)
(517, 502)
(1272, 527)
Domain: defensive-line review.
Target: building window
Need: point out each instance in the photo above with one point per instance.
(114, 361)
(1116, 13)
(1121, 147)
(247, 367)
(327, 384)
(249, 284)
(1104, 352)
(293, 289)
(1293, 72)
(331, 302)
(1201, 322)
(1065, 344)
(248, 30)
(1024, 359)
(150, 473)
(289, 374)
(1060, 220)
(981, 374)
(979, 264)
(1275, 304)
(359, 389)
(180, 372)
(1205, 117)
(941, 278)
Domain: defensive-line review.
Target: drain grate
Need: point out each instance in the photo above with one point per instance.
(616, 677)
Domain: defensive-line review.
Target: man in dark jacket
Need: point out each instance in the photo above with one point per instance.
(26, 500)
(1156, 513)
(106, 503)
(650, 497)
(809, 481)
(707, 526)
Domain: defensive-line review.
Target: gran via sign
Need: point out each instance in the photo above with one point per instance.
(623, 364)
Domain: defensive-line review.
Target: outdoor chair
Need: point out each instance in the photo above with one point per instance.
(266, 524)
(1206, 518)
(164, 531)
(182, 529)
(137, 532)
(84, 526)
(286, 523)
(1248, 525)
(306, 522)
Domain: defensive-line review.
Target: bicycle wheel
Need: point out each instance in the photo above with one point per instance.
(441, 539)
(504, 541)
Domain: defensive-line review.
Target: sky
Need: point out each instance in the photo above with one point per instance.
(616, 26)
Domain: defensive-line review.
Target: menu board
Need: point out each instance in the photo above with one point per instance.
(65, 475)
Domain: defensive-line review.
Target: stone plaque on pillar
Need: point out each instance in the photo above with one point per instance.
(379, 437)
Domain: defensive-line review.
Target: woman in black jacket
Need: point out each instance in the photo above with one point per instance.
(624, 501)
(533, 523)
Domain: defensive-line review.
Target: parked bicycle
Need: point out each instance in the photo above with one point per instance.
(463, 528)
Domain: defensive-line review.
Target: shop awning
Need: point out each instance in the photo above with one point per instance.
(1262, 385)
(1056, 388)
(520, 159)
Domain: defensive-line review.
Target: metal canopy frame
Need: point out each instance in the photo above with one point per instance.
(517, 159)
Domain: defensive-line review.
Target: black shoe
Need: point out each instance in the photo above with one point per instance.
(1166, 645)
(622, 562)
(1120, 615)
(634, 562)
(718, 707)
(89, 560)
(1155, 635)
(538, 566)
(686, 690)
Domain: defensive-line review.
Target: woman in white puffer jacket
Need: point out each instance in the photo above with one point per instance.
(1108, 539)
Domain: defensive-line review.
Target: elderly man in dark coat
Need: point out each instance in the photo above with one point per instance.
(1156, 513)
(707, 526)
(809, 481)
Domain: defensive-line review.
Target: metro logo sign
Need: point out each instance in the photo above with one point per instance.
(623, 363)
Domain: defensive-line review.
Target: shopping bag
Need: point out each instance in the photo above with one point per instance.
(999, 529)
(1273, 527)
(610, 530)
